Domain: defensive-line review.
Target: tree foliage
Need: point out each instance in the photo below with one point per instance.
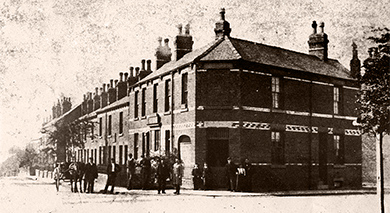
(70, 135)
(374, 97)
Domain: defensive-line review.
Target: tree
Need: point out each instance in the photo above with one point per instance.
(374, 97)
(63, 137)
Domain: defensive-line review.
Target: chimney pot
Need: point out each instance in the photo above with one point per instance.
(149, 65)
(131, 71)
(121, 76)
(222, 13)
(187, 29)
(166, 42)
(143, 64)
(111, 83)
(159, 39)
(180, 28)
(116, 82)
(322, 25)
(96, 90)
(104, 88)
(136, 71)
(126, 76)
(314, 25)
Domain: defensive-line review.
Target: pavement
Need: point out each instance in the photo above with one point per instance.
(100, 184)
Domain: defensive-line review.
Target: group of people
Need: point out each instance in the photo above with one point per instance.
(201, 177)
(157, 170)
(78, 173)
(239, 178)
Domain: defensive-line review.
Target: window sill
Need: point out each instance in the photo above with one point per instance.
(339, 166)
(109, 136)
(143, 117)
(100, 137)
(184, 109)
(136, 119)
(167, 113)
(120, 135)
(278, 166)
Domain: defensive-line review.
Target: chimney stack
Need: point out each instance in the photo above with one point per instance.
(133, 78)
(318, 42)
(222, 27)
(183, 43)
(355, 62)
(163, 53)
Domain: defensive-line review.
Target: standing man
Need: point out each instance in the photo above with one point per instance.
(248, 178)
(91, 174)
(196, 176)
(231, 174)
(145, 171)
(177, 175)
(130, 171)
(162, 175)
(112, 170)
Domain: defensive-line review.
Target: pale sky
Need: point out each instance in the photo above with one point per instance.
(50, 48)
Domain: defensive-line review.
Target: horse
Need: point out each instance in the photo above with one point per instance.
(76, 172)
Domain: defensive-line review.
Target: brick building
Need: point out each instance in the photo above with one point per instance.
(290, 113)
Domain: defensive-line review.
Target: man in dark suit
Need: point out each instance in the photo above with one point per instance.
(231, 174)
(91, 174)
(112, 170)
(162, 175)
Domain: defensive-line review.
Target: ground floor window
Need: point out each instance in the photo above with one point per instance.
(339, 149)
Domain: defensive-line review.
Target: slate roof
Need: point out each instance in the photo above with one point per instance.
(229, 48)
(233, 48)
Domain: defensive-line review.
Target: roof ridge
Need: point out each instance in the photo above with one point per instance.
(276, 47)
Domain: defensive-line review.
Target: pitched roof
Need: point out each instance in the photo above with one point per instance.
(233, 48)
(229, 48)
(185, 60)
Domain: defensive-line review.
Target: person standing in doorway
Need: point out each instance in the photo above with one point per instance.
(206, 177)
(248, 178)
(177, 175)
(112, 170)
(230, 174)
(130, 171)
(196, 176)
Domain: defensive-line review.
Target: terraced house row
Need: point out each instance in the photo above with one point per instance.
(291, 114)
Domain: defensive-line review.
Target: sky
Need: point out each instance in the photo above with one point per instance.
(55, 48)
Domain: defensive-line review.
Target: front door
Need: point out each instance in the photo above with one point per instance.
(323, 160)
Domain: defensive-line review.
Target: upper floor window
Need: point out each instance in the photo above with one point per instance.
(120, 122)
(336, 100)
(167, 95)
(338, 149)
(136, 104)
(100, 126)
(155, 98)
(277, 148)
(275, 88)
(109, 124)
(184, 88)
(143, 102)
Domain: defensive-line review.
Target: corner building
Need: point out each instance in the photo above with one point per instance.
(289, 113)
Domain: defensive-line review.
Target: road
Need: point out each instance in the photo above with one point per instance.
(22, 194)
